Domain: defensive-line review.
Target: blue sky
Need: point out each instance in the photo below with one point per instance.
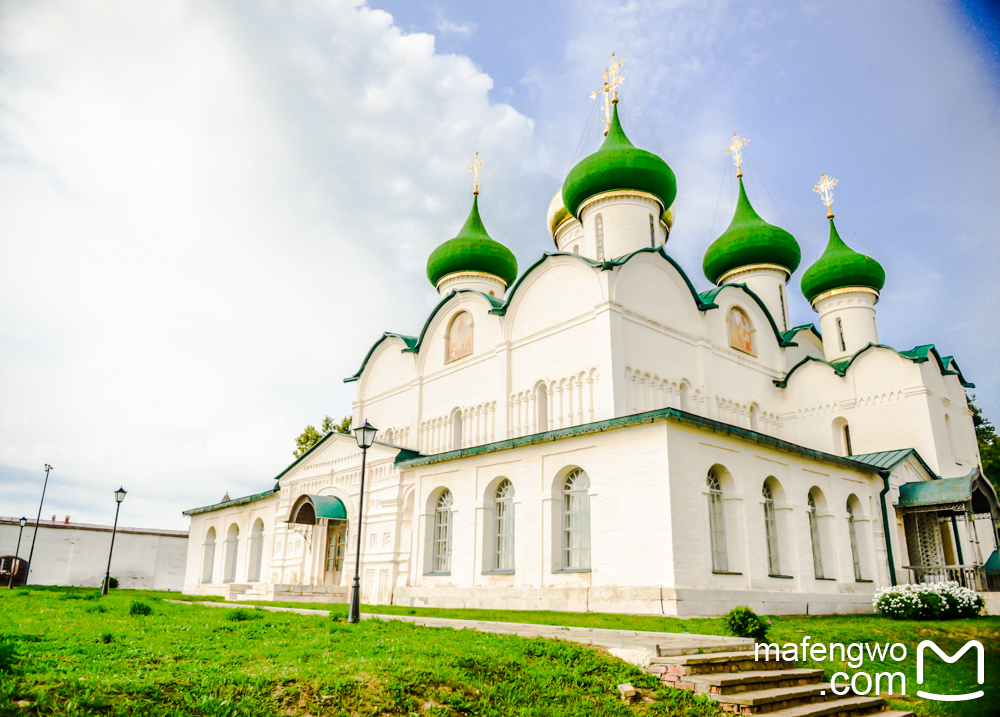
(196, 200)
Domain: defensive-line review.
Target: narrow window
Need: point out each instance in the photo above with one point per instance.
(814, 538)
(208, 558)
(717, 524)
(576, 249)
(232, 550)
(599, 223)
(784, 311)
(576, 520)
(840, 335)
(847, 440)
(503, 526)
(652, 232)
(442, 534)
(771, 530)
(336, 547)
(853, 532)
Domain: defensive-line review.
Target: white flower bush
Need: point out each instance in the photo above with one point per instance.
(927, 601)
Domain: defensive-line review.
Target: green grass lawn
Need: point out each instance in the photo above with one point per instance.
(75, 659)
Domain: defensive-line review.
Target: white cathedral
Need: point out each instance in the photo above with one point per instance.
(593, 434)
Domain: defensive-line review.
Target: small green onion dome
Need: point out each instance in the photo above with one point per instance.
(472, 250)
(840, 267)
(750, 240)
(618, 164)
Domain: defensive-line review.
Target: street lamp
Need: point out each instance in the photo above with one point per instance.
(31, 552)
(119, 497)
(366, 436)
(13, 567)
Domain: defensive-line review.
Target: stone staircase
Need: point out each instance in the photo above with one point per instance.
(745, 686)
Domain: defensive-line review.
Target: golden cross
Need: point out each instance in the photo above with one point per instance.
(612, 78)
(735, 150)
(825, 190)
(474, 168)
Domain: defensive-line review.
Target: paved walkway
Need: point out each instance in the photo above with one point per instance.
(652, 643)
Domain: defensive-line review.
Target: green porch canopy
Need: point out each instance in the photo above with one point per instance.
(967, 494)
(308, 508)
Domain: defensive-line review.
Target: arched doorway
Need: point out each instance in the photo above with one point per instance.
(11, 565)
(322, 521)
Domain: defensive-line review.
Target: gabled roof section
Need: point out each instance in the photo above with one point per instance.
(709, 296)
(504, 305)
(230, 503)
(919, 354)
(888, 460)
(410, 342)
(671, 414)
(415, 347)
(793, 332)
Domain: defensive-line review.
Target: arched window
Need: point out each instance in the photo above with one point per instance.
(740, 330)
(576, 249)
(840, 335)
(458, 339)
(256, 551)
(848, 451)
(717, 523)
(542, 408)
(652, 232)
(576, 521)
(685, 392)
(503, 526)
(599, 229)
(442, 533)
(817, 550)
(232, 552)
(208, 557)
(842, 436)
(754, 419)
(771, 532)
(852, 530)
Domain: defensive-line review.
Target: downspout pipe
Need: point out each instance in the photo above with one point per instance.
(884, 475)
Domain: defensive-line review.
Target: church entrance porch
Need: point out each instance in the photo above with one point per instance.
(942, 538)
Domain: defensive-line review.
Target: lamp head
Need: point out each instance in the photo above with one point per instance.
(119, 495)
(365, 435)
(22, 521)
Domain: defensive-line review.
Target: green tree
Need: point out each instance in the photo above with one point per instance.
(989, 443)
(310, 436)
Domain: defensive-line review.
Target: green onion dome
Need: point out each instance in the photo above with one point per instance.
(840, 267)
(750, 240)
(472, 250)
(618, 164)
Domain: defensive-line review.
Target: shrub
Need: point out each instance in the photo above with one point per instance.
(112, 583)
(930, 601)
(106, 638)
(241, 614)
(742, 621)
(139, 608)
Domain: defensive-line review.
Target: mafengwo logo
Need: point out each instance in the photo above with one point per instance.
(980, 669)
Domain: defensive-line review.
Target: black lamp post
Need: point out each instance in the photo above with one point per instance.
(13, 568)
(31, 553)
(119, 497)
(366, 436)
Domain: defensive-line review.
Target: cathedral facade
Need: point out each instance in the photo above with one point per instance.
(593, 433)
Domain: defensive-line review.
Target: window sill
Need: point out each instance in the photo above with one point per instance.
(864, 581)
(783, 577)
(571, 570)
(434, 575)
(498, 572)
(833, 579)
(724, 572)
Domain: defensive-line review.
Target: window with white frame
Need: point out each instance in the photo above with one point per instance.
(576, 521)
(814, 539)
(442, 533)
(717, 523)
(852, 531)
(503, 526)
(771, 532)
(599, 227)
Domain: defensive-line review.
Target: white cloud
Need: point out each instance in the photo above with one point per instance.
(196, 201)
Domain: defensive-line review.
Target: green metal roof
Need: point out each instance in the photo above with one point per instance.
(935, 492)
(672, 414)
(792, 332)
(230, 503)
(473, 249)
(750, 240)
(888, 460)
(919, 354)
(328, 506)
(840, 266)
(618, 164)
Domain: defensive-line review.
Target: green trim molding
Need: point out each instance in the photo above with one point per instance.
(410, 341)
(236, 501)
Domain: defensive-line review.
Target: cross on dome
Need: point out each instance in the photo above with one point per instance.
(735, 150)
(612, 78)
(825, 191)
(474, 168)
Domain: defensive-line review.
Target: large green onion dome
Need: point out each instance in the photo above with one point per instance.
(472, 250)
(750, 240)
(840, 267)
(618, 164)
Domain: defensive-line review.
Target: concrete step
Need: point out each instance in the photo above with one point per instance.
(727, 683)
(775, 698)
(708, 663)
(842, 706)
(896, 713)
(696, 648)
